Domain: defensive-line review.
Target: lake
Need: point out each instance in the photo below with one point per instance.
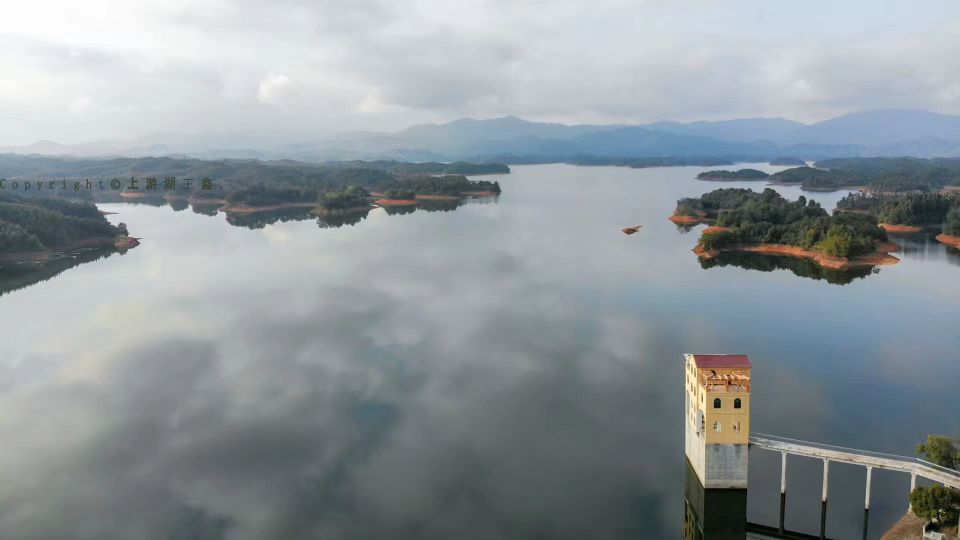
(511, 368)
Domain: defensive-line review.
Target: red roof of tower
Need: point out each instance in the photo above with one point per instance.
(710, 361)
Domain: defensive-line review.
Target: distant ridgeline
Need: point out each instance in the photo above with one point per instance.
(891, 175)
(591, 160)
(256, 183)
(742, 174)
(914, 209)
(399, 167)
(744, 217)
(788, 161)
(42, 224)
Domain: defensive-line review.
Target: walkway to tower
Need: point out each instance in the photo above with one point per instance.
(915, 467)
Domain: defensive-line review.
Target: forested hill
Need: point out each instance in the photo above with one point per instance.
(879, 174)
(41, 224)
(267, 182)
(13, 166)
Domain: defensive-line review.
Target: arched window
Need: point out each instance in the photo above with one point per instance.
(716, 427)
(737, 403)
(716, 403)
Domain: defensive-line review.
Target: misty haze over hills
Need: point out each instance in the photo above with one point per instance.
(894, 132)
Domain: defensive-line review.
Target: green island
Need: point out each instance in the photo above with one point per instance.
(910, 212)
(351, 199)
(885, 175)
(36, 228)
(742, 174)
(767, 223)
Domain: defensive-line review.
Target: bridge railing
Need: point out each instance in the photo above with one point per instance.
(913, 465)
(837, 448)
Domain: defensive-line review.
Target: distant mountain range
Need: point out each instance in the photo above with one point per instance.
(893, 132)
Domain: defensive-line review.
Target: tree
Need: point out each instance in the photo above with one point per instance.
(839, 242)
(940, 450)
(952, 225)
(936, 502)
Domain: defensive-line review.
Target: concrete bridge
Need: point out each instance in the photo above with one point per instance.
(915, 467)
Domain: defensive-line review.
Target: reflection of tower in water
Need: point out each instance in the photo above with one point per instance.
(713, 514)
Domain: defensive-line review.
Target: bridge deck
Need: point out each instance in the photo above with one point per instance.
(891, 462)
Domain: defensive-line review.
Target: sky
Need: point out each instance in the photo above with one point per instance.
(107, 70)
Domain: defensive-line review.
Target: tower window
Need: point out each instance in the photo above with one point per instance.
(736, 426)
(737, 403)
(716, 403)
(716, 427)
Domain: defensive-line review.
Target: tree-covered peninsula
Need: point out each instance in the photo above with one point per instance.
(449, 185)
(887, 175)
(39, 226)
(238, 183)
(910, 212)
(768, 223)
(742, 174)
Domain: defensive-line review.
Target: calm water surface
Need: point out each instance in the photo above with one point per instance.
(510, 369)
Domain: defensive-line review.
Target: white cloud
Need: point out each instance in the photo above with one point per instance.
(367, 64)
(273, 89)
(371, 104)
(80, 105)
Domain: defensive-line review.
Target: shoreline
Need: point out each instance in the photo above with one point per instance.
(121, 243)
(891, 228)
(953, 241)
(396, 202)
(819, 189)
(724, 179)
(688, 220)
(908, 528)
(243, 209)
(321, 211)
(880, 257)
(439, 197)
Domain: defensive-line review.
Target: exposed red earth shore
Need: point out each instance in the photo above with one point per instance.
(125, 242)
(631, 230)
(396, 202)
(878, 258)
(715, 229)
(900, 228)
(687, 220)
(439, 197)
(949, 240)
(909, 528)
